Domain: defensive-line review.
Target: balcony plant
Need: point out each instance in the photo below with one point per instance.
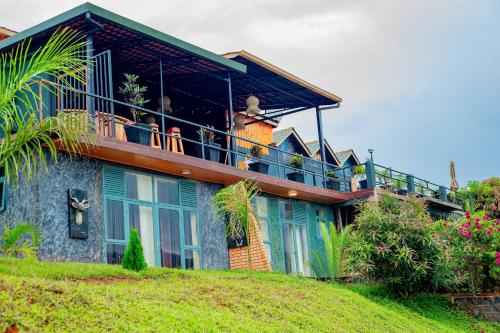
(332, 180)
(233, 206)
(359, 172)
(133, 93)
(296, 161)
(210, 148)
(258, 165)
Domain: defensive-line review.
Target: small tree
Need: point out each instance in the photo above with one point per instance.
(134, 255)
(330, 265)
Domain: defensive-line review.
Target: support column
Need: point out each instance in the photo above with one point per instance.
(410, 181)
(231, 125)
(319, 122)
(164, 130)
(370, 174)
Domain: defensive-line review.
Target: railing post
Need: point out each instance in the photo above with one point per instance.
(410, 183)
(202, 143)
(370, 174)
(231, 128)
(442, 193)
(90, 74)
(164, 130)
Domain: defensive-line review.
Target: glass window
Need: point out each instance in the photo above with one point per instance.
(170, 243)
(114, 253)
(3, 189)
(285, 209)
(320, 220)
(167, 191)
(141, 218)
(190, 229)
(261, 203)
(192, 259)
(139, 186)
(115, 220)
(264, 229)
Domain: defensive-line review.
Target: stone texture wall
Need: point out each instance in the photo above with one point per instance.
(238, 257)
(212, 235)
(487, 307)
(45, 202)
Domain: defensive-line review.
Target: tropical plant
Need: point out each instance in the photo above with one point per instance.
(133, 94)
(233, 206)
(13, 242)
(359, 170)
(332, 174)
(134, 254)
(256, 151)
(394, 242)
(207, 134)
(330, 264)
(28, 141)
(296, 161)
(486, 194)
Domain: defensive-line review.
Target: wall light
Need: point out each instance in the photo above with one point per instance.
(186, 172)
(292, 193)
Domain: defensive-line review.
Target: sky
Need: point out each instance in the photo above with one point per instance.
(420, 80)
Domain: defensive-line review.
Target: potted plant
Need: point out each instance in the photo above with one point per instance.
(258, 165)
(296, 175)
(332, 180)
(210, 148)
(133, 94)
(360, 175)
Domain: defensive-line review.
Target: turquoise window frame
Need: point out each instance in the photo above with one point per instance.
(155, 206)
(317, 220)
(293, 222)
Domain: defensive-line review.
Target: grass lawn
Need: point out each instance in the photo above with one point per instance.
(75, 297)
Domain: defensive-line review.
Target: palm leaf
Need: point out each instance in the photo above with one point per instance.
(35, 140)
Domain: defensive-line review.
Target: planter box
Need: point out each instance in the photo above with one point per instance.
(363, 184)
(139, 133)
(212, 152)
(296, 177)
(259, 167)
(333, 184)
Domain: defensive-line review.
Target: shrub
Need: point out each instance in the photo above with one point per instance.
(330, 265)
(134, 255)
(486, 195)
(296, 161)
(477, 240)
(13, 243)
(394, 242)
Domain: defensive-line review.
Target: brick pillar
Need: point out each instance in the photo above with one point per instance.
(238, 257)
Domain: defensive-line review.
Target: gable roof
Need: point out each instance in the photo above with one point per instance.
(344, 155)
(263, 70)
(4, 33)
(144, 30)
(313, 147)
(280, 136)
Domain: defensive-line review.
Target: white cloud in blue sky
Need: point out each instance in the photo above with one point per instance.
(419, 79)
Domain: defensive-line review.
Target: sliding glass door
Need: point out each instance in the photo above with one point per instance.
(169, 238)
(296, 248)
(141, 218)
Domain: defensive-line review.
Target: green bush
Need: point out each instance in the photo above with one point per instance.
(394, 242)
(476, 242)
(13, 242)
(134, 255)
(330, 265)
(486, 195)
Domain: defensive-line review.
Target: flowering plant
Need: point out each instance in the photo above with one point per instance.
(479, 234)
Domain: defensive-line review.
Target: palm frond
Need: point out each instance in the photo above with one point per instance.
(29, 141)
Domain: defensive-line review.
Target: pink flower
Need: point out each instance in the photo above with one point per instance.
(467, 215)
(497, 221)
(468, 234)
(486, 217)
(489, 231)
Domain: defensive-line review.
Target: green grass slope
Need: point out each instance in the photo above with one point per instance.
(71, 297)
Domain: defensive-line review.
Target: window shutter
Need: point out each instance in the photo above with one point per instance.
(114, 181)
(275, 235)
(189, 196)
(299, 211)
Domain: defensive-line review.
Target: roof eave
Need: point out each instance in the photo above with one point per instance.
(118, 19)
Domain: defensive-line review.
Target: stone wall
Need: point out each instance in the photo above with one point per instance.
(487, 306)
(45, 202)
(212, 235)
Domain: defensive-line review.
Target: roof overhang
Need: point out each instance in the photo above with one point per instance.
(262, 70)
(78, 12)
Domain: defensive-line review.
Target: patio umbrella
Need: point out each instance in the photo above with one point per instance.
(454, 184)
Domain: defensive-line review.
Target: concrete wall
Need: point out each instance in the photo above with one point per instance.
(45, 202)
